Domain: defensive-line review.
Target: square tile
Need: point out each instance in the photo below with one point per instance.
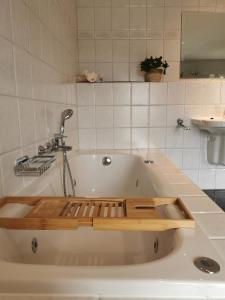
(122, 116)
(105, 138)
(103, 94)
(158, 116)
(176, 92)
(120, 18)
(157, 138)
(10, 138)
(102, 18)
(140, 93)
(104, 116)
(121, 93)
(103, 51)
(140, 116)
(85, 94)
(122, 138)
(86, 117)
(139, 138)
(121, 50)
(158, 93)
(7, 75)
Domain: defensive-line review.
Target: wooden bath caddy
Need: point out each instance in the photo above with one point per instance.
(100, 213)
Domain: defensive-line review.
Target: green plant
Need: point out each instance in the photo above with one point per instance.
(154, 63)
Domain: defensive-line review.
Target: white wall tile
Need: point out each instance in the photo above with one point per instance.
(174, 138)
(120, 72)
(104, 116)
(85, 94)
(103, 51)
(176, 92)
(139, 138)
(158, 116)
(27, 121)
(104, 138)
(20, 21)
(191, 159)
(40, 121)
(86, 51)
(122, 138)
(85, 18)
(121, 93)
(103, 94)
(122, 116)
(11, 183)
(157, 138)
(23, 73)
(87, 138)
(140, 93)
(5, 24)
(140, 116)
(9, 124)
(155, 19)
(7, 77)
(120, 18)
(121, 50)
(138, 50)
(138, 18)
(86, 116)
(102, 18)
(158, 93)
(172, 18)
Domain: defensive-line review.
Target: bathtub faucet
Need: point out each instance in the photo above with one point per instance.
(180, 124)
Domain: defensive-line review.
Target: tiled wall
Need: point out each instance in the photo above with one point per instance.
(115, 35)
(37, 65)
(143, 115)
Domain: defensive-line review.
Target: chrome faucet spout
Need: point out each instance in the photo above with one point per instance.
(180, 124)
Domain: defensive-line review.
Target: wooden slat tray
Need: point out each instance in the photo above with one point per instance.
(101, 213)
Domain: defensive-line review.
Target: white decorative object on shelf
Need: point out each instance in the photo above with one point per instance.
(87, 76)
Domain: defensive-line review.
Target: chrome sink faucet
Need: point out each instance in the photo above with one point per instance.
(180, 124)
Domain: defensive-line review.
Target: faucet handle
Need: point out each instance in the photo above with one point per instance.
(59, 136)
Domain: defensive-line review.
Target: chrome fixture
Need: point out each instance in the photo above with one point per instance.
(66, 114)
(180, 124)
(58, 144)
(207, 265)
(148, 161)
(34, 245)
(34, 166)
(106, 161)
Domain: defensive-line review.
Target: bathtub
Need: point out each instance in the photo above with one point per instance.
(85, 262)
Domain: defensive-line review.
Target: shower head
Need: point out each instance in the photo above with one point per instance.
(66, 114)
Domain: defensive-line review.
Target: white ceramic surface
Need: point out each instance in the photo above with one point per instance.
(88, 263)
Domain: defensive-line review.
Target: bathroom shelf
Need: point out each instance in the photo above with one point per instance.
(47, 213)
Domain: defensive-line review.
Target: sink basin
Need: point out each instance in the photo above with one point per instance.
(214, 125)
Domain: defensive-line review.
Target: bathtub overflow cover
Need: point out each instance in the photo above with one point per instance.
(207, 265)
(106, 161)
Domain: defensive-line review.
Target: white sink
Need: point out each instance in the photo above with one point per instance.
(214, 125)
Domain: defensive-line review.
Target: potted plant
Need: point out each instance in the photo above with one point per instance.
(154, 68)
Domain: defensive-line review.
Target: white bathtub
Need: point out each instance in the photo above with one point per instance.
(86, 262)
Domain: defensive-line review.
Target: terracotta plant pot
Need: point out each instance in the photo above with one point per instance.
(155, 75)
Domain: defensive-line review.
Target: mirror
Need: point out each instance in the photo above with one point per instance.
(203, 45)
